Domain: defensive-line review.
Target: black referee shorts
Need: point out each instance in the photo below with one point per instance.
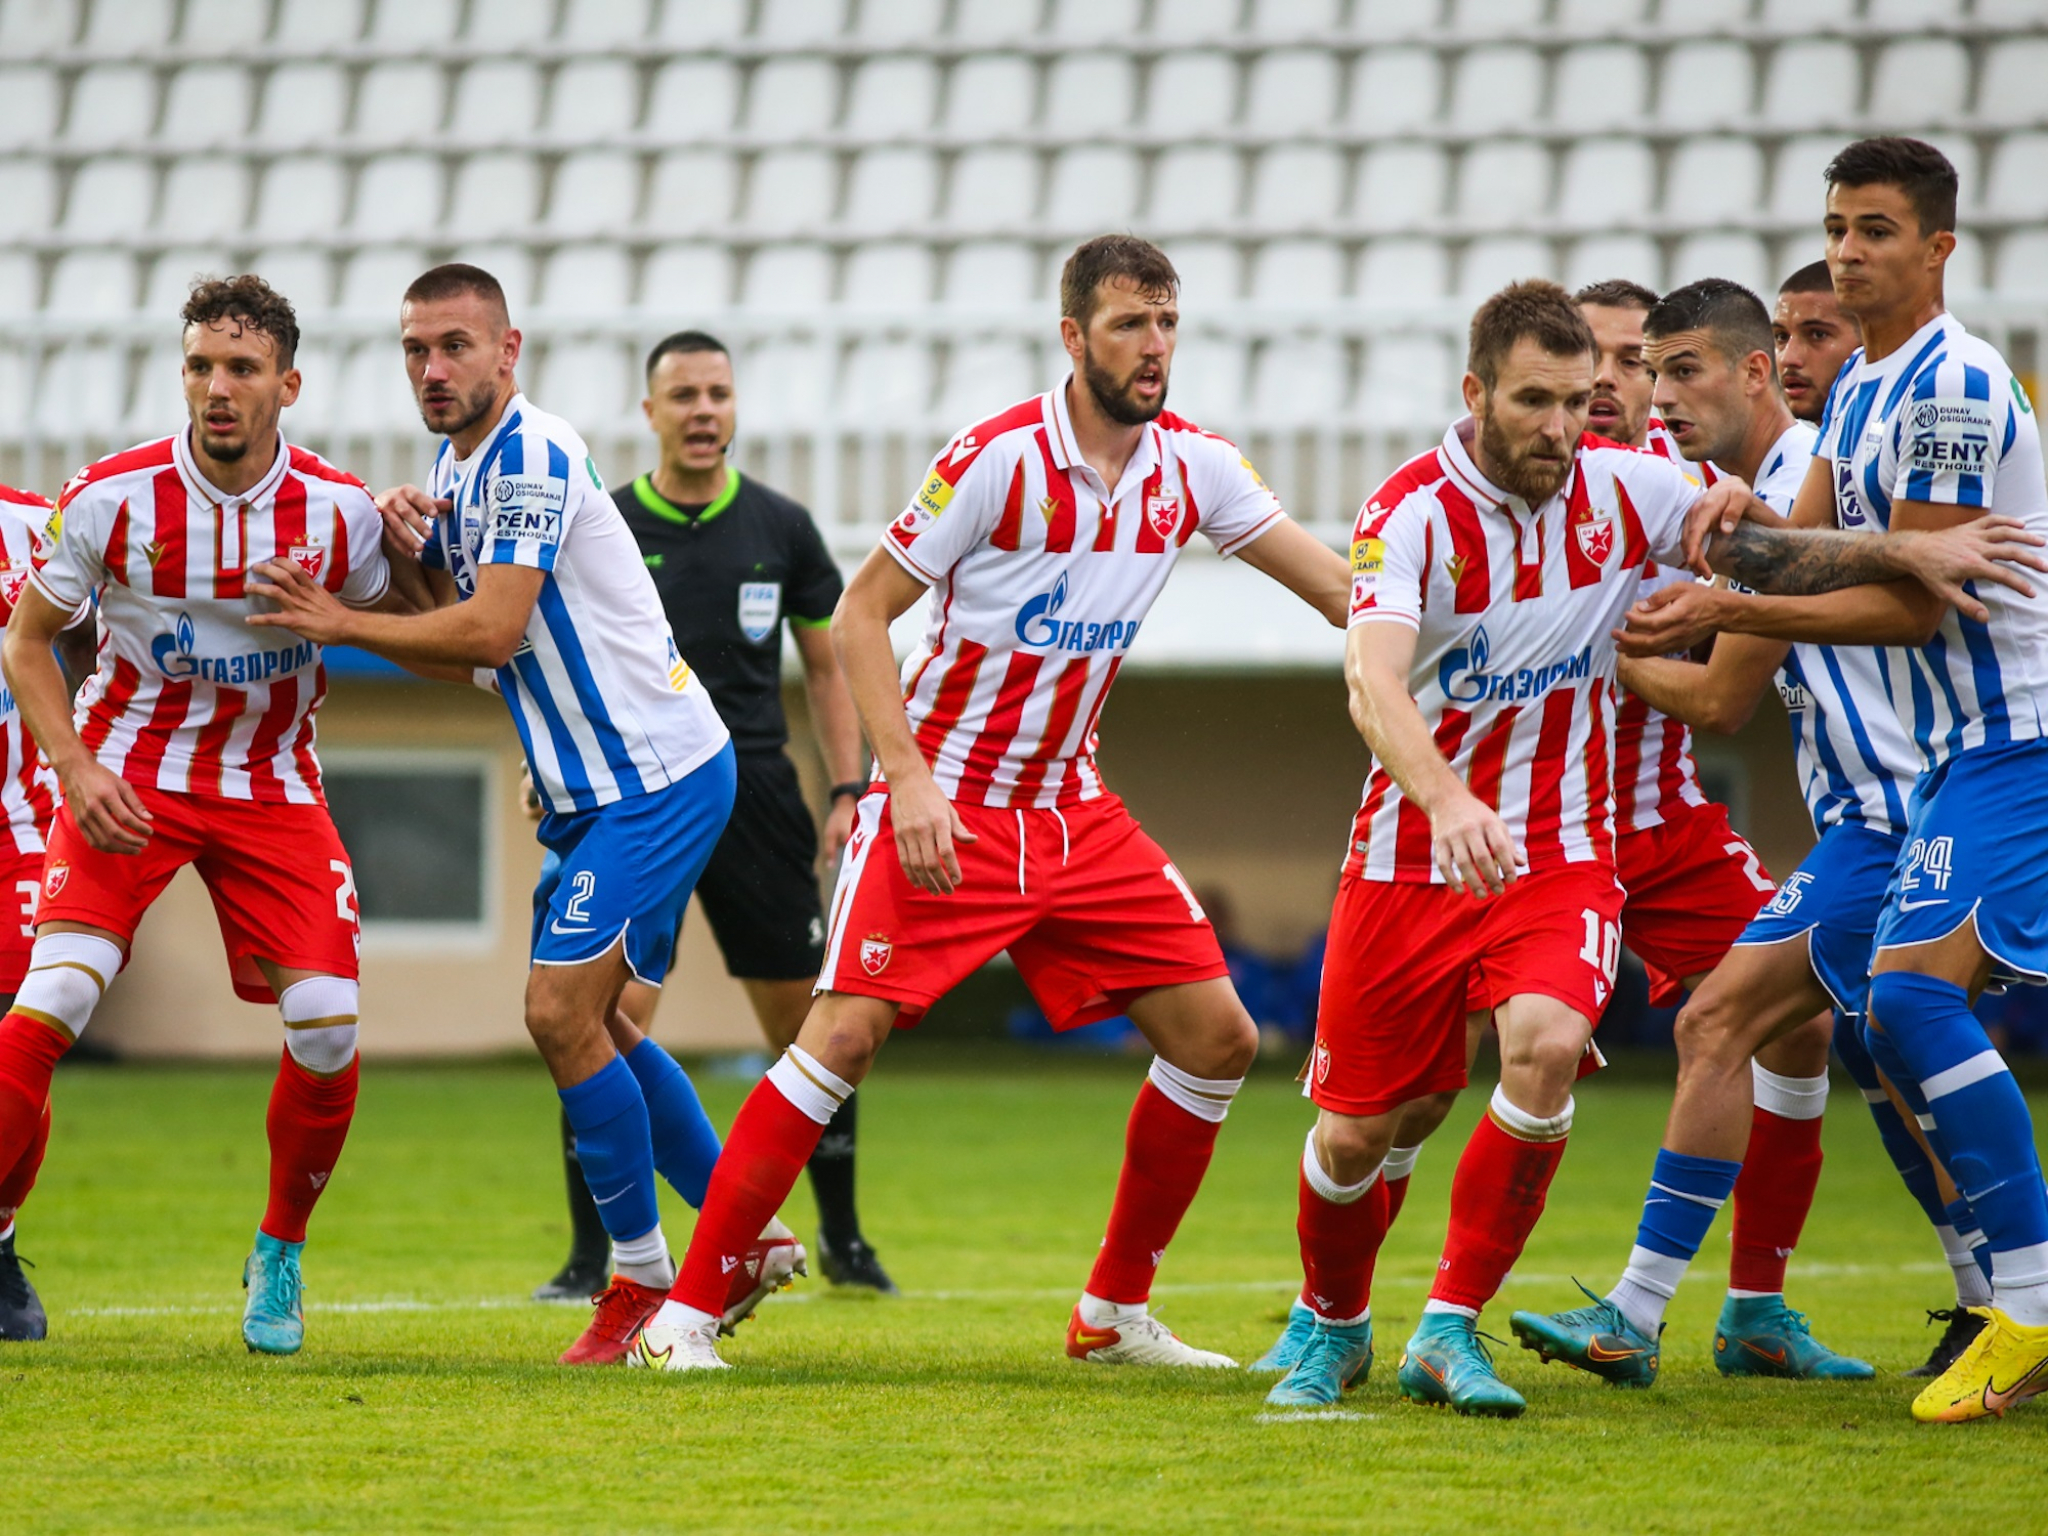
(760, 890)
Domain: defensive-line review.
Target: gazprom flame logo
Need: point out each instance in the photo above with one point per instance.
(173, 652)
(1464, 679)
(1039, 625)
(1035, 624)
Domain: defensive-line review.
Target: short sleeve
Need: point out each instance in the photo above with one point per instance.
(1234, 504)
(74, 541)
(369, 573)
(953, 511)
(1388, 562)
(812, 590)
(1949, 438)
(525, 504)
(1655, 496)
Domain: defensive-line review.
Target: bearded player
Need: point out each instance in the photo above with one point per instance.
(1813, 339)
(194, 744)
(1039, 540)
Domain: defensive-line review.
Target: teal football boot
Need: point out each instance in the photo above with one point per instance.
(1761, 1336)
(1446, 1364)
(274, 1317)
(1598, 1339)
(1301, 1322)
(1336, 1357)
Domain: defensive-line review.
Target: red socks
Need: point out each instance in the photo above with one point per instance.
(771, 1141)
(1339, 1244)
(1773, 1193)
(1397, 1196)
(1496, 1196)
(29, 1052)
(308, 1122)
(17, 1181)
(1166, 1152)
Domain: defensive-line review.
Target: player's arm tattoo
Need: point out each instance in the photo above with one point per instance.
(1800, 562)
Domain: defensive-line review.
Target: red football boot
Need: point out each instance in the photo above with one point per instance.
(771, 1265)
(621, 1308)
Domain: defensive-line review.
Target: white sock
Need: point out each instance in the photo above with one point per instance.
(7, 1231)
(2019, 1285)
(1400, 1162)
(1646, 1288)
(1972, 1289)
(645, 1260)
(673, 1314)
(1735, 1295)
(1326, 1187)
(1097, 1313)
(1433, 1305)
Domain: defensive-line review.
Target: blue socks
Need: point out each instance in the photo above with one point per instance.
(685, 1145)
(609, 1116)
(1916, 1172)
(1685, 1192)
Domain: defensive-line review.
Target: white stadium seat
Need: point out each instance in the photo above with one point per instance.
(303, 106)
(19, 284)
(85, 382)
(792, 98)
(30, 120)
(991, 189)
(1399, 186)
(1210, 274)
(397, 197)
(1092, 189)
(992, 21)
(1486, 18)
(1964, 275)
(205, 197)
(28, 26)
(1606, 182)
(1599, 85)
(800, 21)
(414, 21)
(991, 274)
(111, 104)
(2023, 264)
(1599, 13)
(1208, 380)
(311, 415)
(1600, 257)
(1798, 189)
(128, 26)
(607, 21)
(788, 279)
(1194, 187)
(900, 21)
(1404, 379)
(1712, 180)
(1196, 18)
(699, 22)
(593, 99)
(1087, 93)
(206, 105)
(1403, 271)
(1491, 264)
(887, 275)
(2017, 187)
(1739, 258)
(1285, 16)
(596, 192)
(586, 280)
(891, 191)
(495, 98)
(1094, 21)
(1805, 14)
(690, 192)
(373, 394)
(398, 103)
(893, 95)
(693, 99)
(1191, 92)
(509, 263)
(113, 196)
(1296, 185)
(16, 391)
(318, 23)
(1920, 81)
(1297, 272)
(28, 196)
(2010, 90)
(505, 22)
(888, 381)
(585, 382)
(1705, 85)
(989, 95)
(983, 377)
(1503, 182)
(1387, 18)
(375, 280)
(305, 277)
(1298, 380)
(1908, 13)
(172, 274)
(1809, 83)
(1394, 88)
(788, 383)
(686, 279)
(92, 283)
(156, 395)
(2020, 13)
(1291, 90)
(495, 194)
(1495, 89)
(791, 190)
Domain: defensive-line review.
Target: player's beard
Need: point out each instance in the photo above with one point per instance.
(1113, 395)
(1514, 469)
(473, 407)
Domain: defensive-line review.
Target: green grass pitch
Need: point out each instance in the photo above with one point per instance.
(426, 1398)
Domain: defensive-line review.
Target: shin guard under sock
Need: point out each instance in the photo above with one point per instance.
(1497, 1194)
(307, 1125)
(1780, 1172)
(610, 1118)
(1167, 1145)
(685, 1145)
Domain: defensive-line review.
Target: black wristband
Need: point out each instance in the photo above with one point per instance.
(853, 790)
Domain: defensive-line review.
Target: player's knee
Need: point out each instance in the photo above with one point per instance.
(319, 1016)
(1349, 1147)
(67, 975)
(1709, 1029)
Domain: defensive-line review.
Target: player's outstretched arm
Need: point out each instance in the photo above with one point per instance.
(105, 806)
(926, 826)
(1305, 566)
(1470, 843)
(483, 632)
(1719, 695)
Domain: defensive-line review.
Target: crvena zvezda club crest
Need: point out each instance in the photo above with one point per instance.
(309, 558)
(11, 583)
(875, 950)
(1596, 536)
(54, 878)
(1164, 514)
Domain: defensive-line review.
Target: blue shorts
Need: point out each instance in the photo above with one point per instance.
(1977, 848)
(1834, 897)
(628, 869)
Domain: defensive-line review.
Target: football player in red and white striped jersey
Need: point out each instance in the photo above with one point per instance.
(193, 744)
(1039, 540)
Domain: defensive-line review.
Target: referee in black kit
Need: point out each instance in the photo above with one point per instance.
(733, 561)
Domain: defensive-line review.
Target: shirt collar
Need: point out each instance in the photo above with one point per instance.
(195, 482)
(1066, 450)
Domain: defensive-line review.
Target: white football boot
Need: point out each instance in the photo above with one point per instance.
(771, 1264)
(676, 1347)
(1142, 1340)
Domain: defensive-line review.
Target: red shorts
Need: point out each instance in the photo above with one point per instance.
(280, 881)
(21, 883)
(1693, 884)
(1390, 1025)
(1090, 909)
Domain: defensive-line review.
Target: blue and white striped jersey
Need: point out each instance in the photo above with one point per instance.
(1943, 420)
(605, 704)
(1856, 762)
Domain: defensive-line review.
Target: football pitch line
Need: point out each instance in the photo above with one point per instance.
(995, 1293)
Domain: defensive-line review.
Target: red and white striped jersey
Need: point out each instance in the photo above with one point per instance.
(28, 789)
(1040, 578)
(189, 697)
(1653, 765)
(1514, 609)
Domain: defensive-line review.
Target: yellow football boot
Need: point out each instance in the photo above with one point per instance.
(2005, 1364)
